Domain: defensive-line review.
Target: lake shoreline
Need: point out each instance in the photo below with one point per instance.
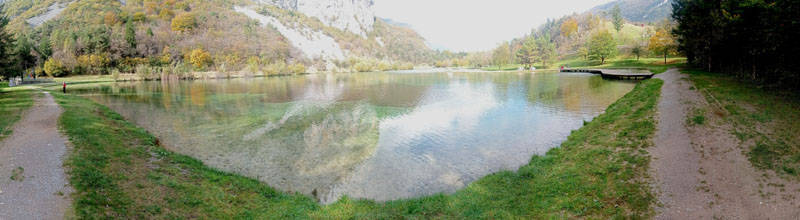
(159, 176)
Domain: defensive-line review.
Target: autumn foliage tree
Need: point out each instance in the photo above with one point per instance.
(199, 58)
(662, 43)
(569, 27)
(184, 22)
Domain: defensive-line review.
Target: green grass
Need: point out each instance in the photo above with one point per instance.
(765, 120)
(697, 117)
(119, 171)
(13, 102)
(655, 65)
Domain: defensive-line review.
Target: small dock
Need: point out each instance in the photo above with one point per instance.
(614, 73)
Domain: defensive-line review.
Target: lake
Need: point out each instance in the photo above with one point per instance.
(379, 136)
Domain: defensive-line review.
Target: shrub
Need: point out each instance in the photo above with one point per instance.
(184, 22)
(252, 64)
(297, 68)
(363, 66)
(115, 74)
(139, 17)
(199, 58)
(143, 70)
(94, 63)
(384, 66)
(275, 68)
(54, 68)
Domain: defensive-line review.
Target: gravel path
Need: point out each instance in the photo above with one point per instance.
(33, 184)
(699, 170)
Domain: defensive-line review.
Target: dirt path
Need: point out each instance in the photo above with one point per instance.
(699, 170)
(32, 180)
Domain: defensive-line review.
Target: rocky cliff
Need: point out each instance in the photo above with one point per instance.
(356, 16)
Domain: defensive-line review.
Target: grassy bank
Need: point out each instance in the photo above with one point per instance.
(119, 171)
(765, 120)
(655, 65)
(13, 102)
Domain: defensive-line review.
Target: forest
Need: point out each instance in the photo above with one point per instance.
(765, 35)
(149, 37)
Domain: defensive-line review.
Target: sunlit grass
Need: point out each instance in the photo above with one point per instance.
(13, 102)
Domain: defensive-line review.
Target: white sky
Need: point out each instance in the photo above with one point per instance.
(473, 25)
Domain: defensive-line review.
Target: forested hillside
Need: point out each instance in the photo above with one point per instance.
(108, 36)
(639, 10)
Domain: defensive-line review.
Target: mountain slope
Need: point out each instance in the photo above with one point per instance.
(640, 10)
(96, 36)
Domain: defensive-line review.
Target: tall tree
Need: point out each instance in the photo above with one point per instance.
(23, 58)
(616, 18)
(527, 54)
(45, 50)
(662, 43)
(546, 50)
(501, 55)
(602, 46)
(756, 40)
(7, 66)
(569, 27)
(130, 35)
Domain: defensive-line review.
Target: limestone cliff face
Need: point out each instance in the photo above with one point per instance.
(356, 16)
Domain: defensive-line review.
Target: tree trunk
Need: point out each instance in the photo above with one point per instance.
(602, 60)
(665, 58)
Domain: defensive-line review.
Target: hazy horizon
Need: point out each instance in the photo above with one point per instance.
(473, 25)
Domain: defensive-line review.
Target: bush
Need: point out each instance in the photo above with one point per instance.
(252, 64)
(184, 22)
(297, 68)
(363, 66)
(54, 68)
(115, 74)
(275, 68)
(199, 58)
(94, 63)
(384, 66)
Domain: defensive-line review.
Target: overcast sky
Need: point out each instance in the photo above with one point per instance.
(472, 25)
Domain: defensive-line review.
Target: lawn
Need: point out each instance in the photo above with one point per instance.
(765, 120)
(13, 102)
(119, 171)
(655, 65)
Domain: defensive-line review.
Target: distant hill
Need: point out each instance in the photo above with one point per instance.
(236, 34)
(639, 10)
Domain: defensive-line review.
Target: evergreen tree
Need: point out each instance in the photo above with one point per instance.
(546, 50)
(616, 18)
(527, 54)
(23, 58)
(130, 34)
(7, 66)
(45, 50)
(756, 40)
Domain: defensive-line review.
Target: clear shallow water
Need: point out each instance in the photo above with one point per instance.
(381, 136)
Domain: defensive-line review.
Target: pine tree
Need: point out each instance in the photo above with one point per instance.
(7, 67)
(130, 34)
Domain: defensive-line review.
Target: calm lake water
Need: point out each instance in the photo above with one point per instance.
(381, 136)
